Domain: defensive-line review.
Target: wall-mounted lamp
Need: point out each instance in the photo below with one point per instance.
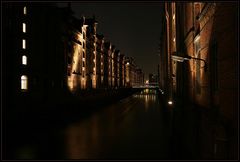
(170, 102)
(187, 57)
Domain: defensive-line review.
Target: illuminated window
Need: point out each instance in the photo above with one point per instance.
(24, 27)
(197, 48)
(24, 44)
(25, 10)
(24, 60)
(24, 82)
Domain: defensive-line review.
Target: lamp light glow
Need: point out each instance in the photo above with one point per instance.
(170, 102)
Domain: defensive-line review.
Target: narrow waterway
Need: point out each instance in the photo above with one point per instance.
(137, 127)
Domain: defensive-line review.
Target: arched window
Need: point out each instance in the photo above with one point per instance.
(24, 60)
(197, 48)
(24, 10)
(24, 82)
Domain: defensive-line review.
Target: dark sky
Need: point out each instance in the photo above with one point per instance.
(133, 27)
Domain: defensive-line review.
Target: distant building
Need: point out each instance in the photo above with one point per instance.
(116, 68)
(107, 65)
(49, 53)
(91, 71)
(121, 71)
(139, 77)
(100, 61)
(131, 72)
(76, 54)
(129, 69)
(153, 78)
(112, 61)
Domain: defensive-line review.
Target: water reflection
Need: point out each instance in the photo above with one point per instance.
(147, 98)
(131, 128)
(147, 95)
(90, 138)
(95, 137)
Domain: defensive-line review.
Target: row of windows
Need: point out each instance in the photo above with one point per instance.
(24, 78)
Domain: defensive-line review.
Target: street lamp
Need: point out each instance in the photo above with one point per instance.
(170, 102)
(186, 58)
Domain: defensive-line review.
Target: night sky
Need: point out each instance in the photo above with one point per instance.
(133, 27)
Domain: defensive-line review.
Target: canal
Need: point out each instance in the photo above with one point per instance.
(136, 127)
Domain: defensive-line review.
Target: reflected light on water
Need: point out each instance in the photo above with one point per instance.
(77, 142)
(87, 139)
(147, 95)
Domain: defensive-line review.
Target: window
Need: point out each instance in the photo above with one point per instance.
(198, 64)
(24, 60)
(25, 10)
(24, 44)
(24, 82)
(24, 27)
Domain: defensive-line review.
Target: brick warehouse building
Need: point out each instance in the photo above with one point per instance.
(32, 44)
(50, 53)
(199, 72)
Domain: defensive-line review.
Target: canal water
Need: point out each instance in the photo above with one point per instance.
(137, 127)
